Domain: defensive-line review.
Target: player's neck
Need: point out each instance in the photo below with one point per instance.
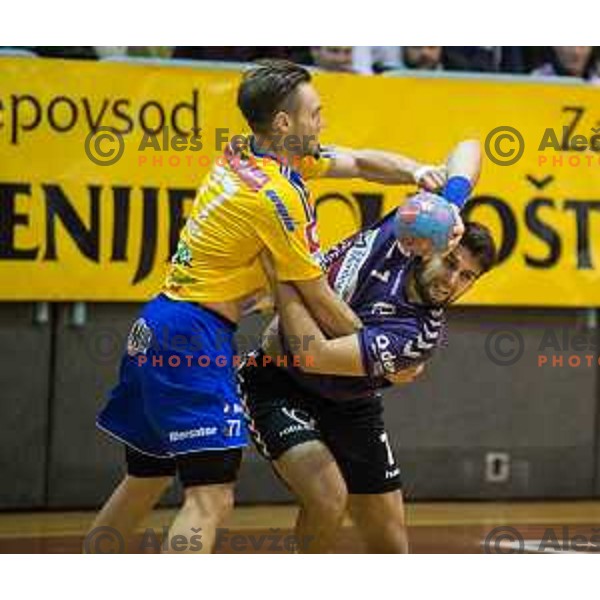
(412, 289)
(415, 295)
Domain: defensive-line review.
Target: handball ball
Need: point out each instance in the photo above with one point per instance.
(428, 216)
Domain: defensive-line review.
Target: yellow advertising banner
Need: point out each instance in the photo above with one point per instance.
(99, 163)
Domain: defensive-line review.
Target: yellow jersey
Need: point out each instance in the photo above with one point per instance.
(249, 201)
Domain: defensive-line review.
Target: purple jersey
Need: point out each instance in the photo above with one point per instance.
(369, 271)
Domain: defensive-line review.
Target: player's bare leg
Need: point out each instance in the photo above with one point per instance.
(204, 510)
(379, 519)
(132, 501)
(311, 472)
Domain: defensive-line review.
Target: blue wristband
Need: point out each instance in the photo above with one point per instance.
(457, 190)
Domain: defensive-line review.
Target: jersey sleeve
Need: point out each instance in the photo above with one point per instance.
(313, 167)
(288, 230)
(390, 348)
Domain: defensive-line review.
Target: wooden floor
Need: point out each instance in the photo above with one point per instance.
(441, 527)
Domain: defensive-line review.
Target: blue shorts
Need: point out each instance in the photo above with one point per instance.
(177, 390)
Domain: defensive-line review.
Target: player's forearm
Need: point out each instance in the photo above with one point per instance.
(332, 314)
(318, 355)
(465, 160)
(296, 320)
(464, 167)
(386, 167)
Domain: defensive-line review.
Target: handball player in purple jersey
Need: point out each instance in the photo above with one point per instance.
(321, 425)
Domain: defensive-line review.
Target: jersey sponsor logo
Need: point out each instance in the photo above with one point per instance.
(178, 436)
(299, 416)
(177, 279)
(356, 256)
(183, 255)
(383, 309)
(386, 358)
(392, 474)
(282, 211)
(139, 338)
(302, 421)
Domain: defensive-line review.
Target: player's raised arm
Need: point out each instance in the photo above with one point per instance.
(385, 167)
(464, 166)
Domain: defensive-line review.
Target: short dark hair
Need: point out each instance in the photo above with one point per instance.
(265, 90)
(480, 243)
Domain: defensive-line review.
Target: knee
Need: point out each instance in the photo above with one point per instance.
(380, 522)
(384, 535)
(393, 539)
(328, 501)
(224, 504)
(214, 502)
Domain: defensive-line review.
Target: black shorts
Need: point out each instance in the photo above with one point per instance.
(196, 468)
(281, 415)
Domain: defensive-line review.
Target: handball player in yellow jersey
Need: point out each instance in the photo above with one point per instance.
(176, 407)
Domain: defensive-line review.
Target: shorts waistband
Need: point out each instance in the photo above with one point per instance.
(227, 322)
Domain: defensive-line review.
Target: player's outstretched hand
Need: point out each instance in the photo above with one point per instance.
(406, 375)
(431, 178)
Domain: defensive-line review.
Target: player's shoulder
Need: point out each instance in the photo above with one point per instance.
(287, 187)
(253, 173)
